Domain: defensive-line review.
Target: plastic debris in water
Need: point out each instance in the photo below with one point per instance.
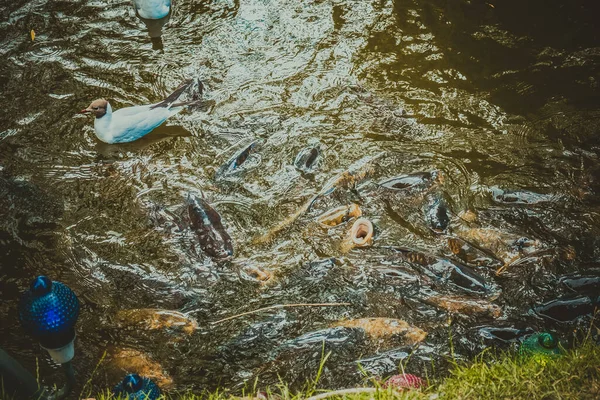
(338, 215)
(32, 34)
(543, 343)
(404, 381)
(135, 387)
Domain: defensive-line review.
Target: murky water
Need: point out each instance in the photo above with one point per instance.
(499, 99)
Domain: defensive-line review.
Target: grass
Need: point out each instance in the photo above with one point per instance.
(574, 375)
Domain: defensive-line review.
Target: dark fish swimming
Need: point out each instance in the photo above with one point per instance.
(446, 271)
(206, 222)
(586, 285)
(308, 159)
(235, 163)
(410, 182)
(436, 214)
(563, 310)
(504, 334)
(519, 196)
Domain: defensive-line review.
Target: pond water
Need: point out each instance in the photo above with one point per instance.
(496, 102)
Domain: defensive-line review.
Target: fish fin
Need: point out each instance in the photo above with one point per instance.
(186, 103)
(175, 95)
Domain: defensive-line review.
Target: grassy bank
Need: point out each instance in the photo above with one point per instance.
(574, 375)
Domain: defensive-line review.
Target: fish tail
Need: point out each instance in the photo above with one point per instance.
(167, 103)
(186, 103)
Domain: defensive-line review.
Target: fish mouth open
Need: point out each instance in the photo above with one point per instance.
(362, 232)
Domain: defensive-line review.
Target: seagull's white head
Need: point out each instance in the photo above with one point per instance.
(98, 108)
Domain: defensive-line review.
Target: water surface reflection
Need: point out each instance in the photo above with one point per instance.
(500, 99)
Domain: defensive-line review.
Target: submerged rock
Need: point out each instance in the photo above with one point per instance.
(386, 328)
(205, 221)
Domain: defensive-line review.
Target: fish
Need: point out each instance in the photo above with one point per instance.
(586, 285)
(510, 249)
(258, 274)
(472, 254)
(205, 221)
(411, 182)
(357, 171)
(339, 215)
(307, 159)
(360, 235)
(235, 163)
(155, 319)
(464, 306)
(447, 271)
(519, 196)
(564, 310)
(386, 328)
(504, 334)
(436, 214)
(134, 361)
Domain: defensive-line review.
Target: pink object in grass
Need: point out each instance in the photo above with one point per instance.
(404, 381)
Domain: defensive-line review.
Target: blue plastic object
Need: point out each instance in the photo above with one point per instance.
(49, 311)
(135, 387)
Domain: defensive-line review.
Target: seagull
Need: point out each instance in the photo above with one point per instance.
(152, 9)
(131, 123)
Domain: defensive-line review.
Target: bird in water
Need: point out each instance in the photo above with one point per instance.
(131, 123)
(152, 9)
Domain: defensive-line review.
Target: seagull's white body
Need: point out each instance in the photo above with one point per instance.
(131, 123)
(152, 9)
